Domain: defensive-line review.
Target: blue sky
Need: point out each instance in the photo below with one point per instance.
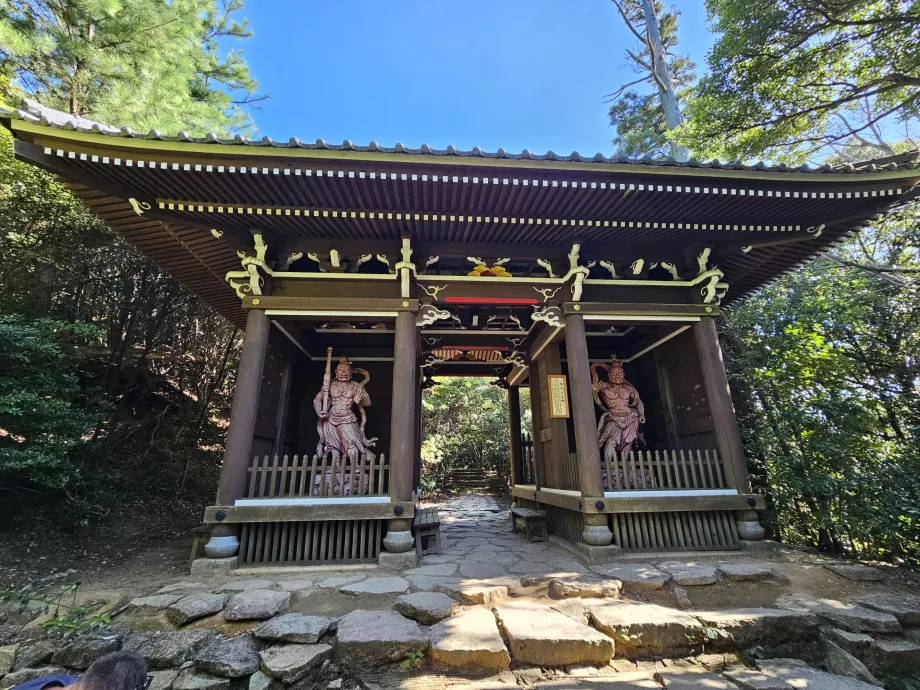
(512, 73)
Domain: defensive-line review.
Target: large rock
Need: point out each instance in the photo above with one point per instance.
(904, 607)
(372, 638)
(152, 605)
(585, 589)
(749, 572)
(860, 573)
(539, 635)
(896, 654)
(377, 585)
(190, 680)
(168, 649)
(853, 642)
(246, 584)
(425, 607)
(294, 627)
(764, 627)
(798, 675)
(688, 574)
(646, 630)
(33, 654)
(470, 641)
(194, 606)
(162, 680)
(233, 658)
(256, 604)
(843, 663)
(643, 576)
(26, 674)
(8, 658)
(849, 616)
(85, 650)
(291, 662)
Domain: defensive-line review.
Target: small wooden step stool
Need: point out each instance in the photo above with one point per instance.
(427, 528)
(534, 523)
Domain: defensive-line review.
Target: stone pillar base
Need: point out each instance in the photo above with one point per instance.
(397, 560)
(223, 546)
(206, 568)
(596, 532)
(399, 537)
(748, 525)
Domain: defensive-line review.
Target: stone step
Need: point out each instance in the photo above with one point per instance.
(469, 640)
(645, 630)
(366, 639)
(755, 626)
(539, 635)
(848, 616)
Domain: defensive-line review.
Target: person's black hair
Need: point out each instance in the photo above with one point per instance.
(116, 671)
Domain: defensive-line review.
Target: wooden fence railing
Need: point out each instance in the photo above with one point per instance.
(648, 470)
(303, 476)
(570, 480)
(530, 470)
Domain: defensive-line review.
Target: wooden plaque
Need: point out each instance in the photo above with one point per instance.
(558, 396)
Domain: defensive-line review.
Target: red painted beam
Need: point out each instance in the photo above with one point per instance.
(489, 300)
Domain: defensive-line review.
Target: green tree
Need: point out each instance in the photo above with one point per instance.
(787, 79)
(466, 425)
(142, 63)
(643, 119)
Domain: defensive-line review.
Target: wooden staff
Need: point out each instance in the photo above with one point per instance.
(327, 379)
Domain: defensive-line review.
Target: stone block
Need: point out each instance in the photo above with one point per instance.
(294, 627)
(246, 584)
(585, 589)
(367, 639)
(427, 608)
(849, 616)
(26, 674)
(799, 675)
(7, 658)
(896, 655)
(194, 606)
(843, 663)
(630, 680)
(83, 651)
(692, 679)
(259, 681)
(191, 680)
(206, 568)
(690, 574)
(749, 572)
(540, 635)
(472, 592)
(32, 654)
(470, 641)
(256, 604)
(905, 608)
(764, 627)
(167, 649)
(162, 680)
(230, 658)
(291, 662)
(640, 576)
(397, 561)
(646, 630)
(152, 605)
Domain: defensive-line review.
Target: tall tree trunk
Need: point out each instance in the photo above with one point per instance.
(662, 77)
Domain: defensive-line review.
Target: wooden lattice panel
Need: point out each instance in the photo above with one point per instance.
(675, 531)
(311, 543)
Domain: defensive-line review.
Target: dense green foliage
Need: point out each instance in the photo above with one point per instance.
(141, 63)
(825, 373)
(788, 78)
(466, 426)
(116, 380)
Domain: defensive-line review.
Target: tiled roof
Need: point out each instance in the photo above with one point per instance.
(32, 111)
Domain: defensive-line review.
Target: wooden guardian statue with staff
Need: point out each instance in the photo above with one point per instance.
(340, 432)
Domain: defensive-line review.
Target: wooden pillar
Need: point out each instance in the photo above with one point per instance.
(596, 532)
(536, 413)
(725, 426)
(224, 541)
(402, 427)
(515, 450)
(417, 466)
